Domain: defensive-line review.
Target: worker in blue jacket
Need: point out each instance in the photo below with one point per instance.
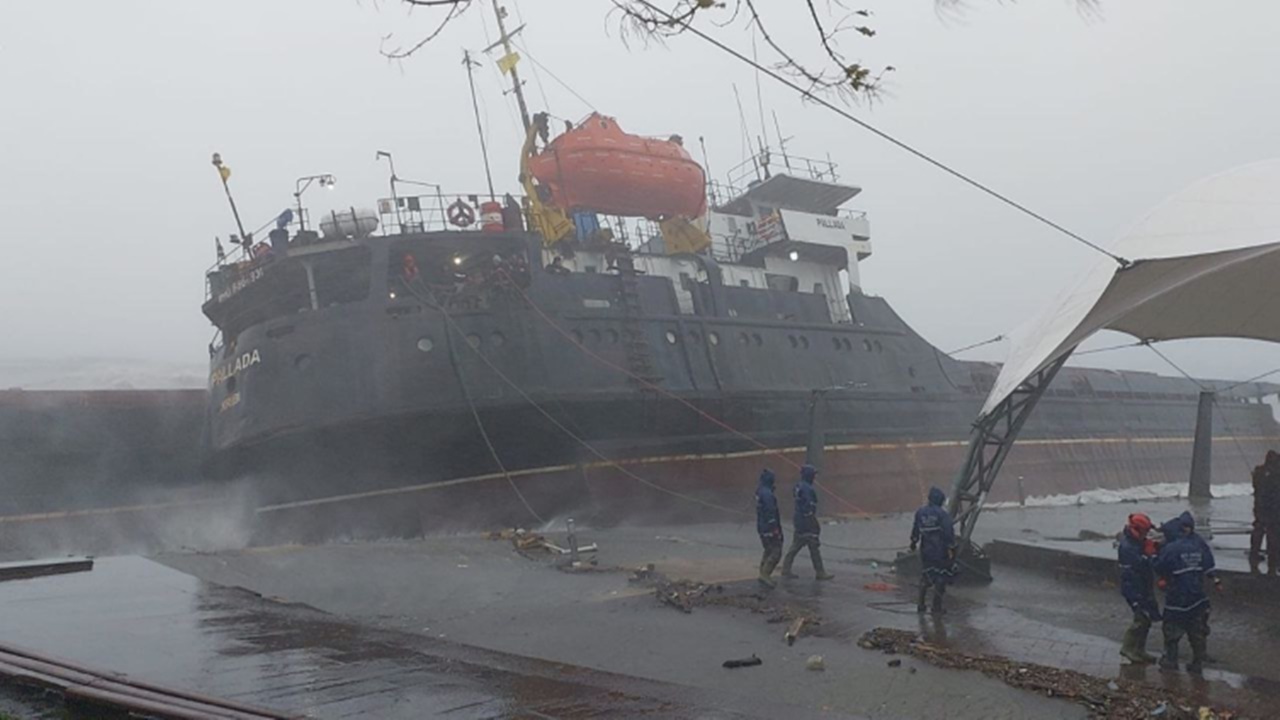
(769, 526)
(807, 528)
(1137, 555)
(934, 531)
(1183, 564)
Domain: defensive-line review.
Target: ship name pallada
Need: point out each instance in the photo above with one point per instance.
(231, 368)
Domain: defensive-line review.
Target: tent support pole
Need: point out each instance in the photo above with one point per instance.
(993, 437)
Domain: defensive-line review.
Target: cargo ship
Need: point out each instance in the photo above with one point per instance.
(625, 335)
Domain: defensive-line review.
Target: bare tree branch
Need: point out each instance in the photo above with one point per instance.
(835, 73)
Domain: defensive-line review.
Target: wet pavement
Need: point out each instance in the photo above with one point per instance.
(466, 625)
(133, 616)
(480, 592)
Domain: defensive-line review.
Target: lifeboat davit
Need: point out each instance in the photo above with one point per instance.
(596, 166)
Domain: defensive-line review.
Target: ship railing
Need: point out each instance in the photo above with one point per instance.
(433, 212)
(768, 162)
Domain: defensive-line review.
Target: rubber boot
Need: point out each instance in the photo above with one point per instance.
(1198, 654)
(1140, 645)
(819, 568)
(1169, 661)
(1130, 649)
(924, 589)
(766, 581)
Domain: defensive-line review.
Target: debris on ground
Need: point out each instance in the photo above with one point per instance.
(815, 662)
(524, 542)
(896, 662)
(793, 632)
(683, 595)
(1110, 699)
(880, 587)
(744, 662)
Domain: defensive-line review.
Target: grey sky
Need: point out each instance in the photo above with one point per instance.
(110, 111)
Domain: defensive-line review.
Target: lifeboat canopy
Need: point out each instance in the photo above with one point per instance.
(596, 166)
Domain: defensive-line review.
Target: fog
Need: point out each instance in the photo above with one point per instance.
(111, 112)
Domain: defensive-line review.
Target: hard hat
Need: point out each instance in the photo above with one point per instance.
(1140, 523)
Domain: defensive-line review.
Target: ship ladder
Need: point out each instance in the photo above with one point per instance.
(635, 341)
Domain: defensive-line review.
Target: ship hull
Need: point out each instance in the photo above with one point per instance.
(857, 479)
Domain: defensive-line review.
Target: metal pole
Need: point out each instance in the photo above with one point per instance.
(1202, 451)
(217, 162)
(505, 39)
(817, 429)
(484, 150)
(395, 200)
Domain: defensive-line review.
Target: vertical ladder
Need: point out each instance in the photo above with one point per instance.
(635, 341)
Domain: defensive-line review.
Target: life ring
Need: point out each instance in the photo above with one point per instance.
(461, 214)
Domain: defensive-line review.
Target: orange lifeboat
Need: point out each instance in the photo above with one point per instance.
(596, 166)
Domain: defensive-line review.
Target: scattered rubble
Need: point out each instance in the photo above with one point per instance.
(815, 662)
(1104, 699)
(744, 662)
(793, 632)
(524, 541)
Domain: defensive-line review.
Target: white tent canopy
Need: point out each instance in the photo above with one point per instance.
(1206, 263)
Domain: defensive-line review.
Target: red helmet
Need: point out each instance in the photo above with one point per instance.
(1140, 524)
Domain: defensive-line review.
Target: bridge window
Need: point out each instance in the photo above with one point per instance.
(341, 276)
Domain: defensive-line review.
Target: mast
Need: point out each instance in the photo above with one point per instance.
(484, 150)
(505, 40)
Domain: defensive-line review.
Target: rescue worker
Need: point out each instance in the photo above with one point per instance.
(769, 526)
(1137, 584)
(1266, 514)
(1183, 564)
(806, 524)
(934, 532)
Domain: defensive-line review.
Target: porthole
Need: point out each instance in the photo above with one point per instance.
(744, 338)
(713, 338)
(231, 385)
(671, 337)
(804, 343)
(911, 371)
(473, 340)
(755, 337)
(835, 343)
(848, 344)
(424, 344)
(498, 339)
(612, 336)
(302, 362)
(595, 336)
(577, 336)
(794, 343)
(879, 347)
(867, 344)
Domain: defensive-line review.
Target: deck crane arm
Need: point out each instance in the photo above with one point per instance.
(548, 220)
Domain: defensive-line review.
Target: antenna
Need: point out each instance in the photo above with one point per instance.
(468, 63)
(782, 142)
(759, 95)
(508, 61)
(742, 123)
